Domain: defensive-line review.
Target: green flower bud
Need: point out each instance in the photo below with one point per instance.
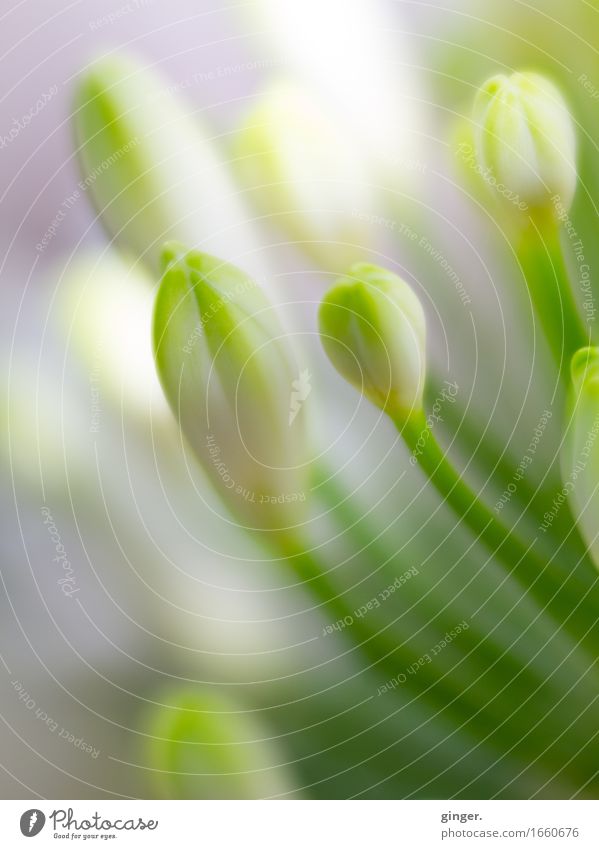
(151, 173)
(580, 452)
(373, 330)
(303, 173)
(525, 143)
(204, 746)
(227, 369)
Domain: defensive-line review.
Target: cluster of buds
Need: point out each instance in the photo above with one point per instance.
(240, 397)
(224, 360)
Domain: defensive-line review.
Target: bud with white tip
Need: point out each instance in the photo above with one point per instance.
(227, 368)
(580, 451)
(150, 170)
(372, 328)
(304, 173)
(525, 142)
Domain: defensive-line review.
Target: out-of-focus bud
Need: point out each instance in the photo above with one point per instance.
(105, 307)
(526, 144)
(304, 173)
(150, 171)
(227, 368)
(43, 432)
(342, 51)
(373, 330)
(204, 746)
(580, 452)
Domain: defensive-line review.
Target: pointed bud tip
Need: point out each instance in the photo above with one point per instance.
(526, 144)
(103, 82)
(171, 253)
(373, 330)
(580, 446)
(584, 366)
(227, 369)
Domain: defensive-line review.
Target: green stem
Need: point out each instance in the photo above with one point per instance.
(536, 577)
(486, 646)
(541, 257)
(492, 459)
(485, 693)
(367, 545)
(357, 745)
(529, 500)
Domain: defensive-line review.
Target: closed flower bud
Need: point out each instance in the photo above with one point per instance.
(304, 173)
(373, 330)
(202, 745)
(150, 171)
(580, 452)
(526, 143)
(105, 307)
(227, 369)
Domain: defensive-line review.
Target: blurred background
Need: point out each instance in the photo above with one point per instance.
(126, 588)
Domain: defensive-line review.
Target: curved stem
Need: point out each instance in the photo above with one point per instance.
(353, 746)
(534, 575)
(541, 257)
(488, 647)
(490, 458)
(486, 693)
(367, 544)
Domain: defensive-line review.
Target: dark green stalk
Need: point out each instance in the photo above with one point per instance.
(486, 694)
(535, 576)
(541, 257)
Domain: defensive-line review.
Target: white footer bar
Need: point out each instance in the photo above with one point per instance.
(301, 824)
